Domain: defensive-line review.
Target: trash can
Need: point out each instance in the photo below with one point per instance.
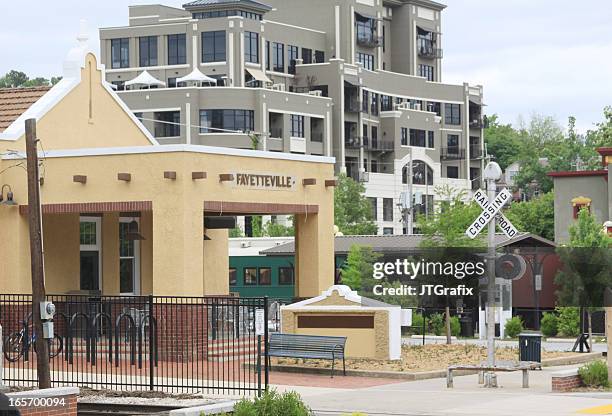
(467, 327)
(530, 346)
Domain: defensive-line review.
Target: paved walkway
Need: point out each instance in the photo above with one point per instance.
(431, 397)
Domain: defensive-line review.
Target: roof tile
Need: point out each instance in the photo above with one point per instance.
(15, 101)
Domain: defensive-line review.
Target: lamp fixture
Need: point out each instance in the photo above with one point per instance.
(9, 196)
(133, 233)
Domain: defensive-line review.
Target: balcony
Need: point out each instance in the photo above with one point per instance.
(428, 49)
(352, 143)
(369, 40)
(452, 153)
(377, 145)
(475, 151)
(476, 124)
(352, 106)
(276, 132)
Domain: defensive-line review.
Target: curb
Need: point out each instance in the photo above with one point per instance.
(424, 375)
(209, 409)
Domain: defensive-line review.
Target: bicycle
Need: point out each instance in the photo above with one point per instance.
(16, 345)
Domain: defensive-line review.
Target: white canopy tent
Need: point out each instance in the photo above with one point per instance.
(197, 77)
(146, 79)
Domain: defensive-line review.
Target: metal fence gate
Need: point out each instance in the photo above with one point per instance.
(171, 344)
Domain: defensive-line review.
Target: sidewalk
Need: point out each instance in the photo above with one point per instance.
(431, 397)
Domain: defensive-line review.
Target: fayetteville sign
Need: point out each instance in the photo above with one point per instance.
(491, 211)
(264, 181)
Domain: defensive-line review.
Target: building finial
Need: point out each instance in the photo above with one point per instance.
(83, 36)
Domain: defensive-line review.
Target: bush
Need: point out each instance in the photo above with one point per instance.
(568, 322)
(514, 327)
(455, 326)
(273, 404)
(594, 374)
(549, 324)
(417, 324)
(436, 322)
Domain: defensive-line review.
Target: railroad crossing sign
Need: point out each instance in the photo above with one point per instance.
(490, 212)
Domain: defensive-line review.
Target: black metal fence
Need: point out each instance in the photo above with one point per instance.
(172, 344)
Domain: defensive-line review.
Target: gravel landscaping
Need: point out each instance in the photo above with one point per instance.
(422, 358)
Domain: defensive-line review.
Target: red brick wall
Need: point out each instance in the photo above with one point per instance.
(566, 383)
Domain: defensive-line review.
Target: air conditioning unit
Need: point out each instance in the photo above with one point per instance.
(316, 93)
(364, 176)
(245, 244)
(278, 87)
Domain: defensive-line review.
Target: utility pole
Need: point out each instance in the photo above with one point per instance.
(36, 254)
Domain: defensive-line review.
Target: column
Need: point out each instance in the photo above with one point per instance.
(216, 263)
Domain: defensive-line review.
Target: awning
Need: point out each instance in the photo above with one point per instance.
(259, 75)
(145, 79)
(196, 76)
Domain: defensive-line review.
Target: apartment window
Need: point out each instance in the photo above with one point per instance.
(433, 107)
(426, 71)
(417, 137)
(404, 136)
(319, 57)
(177, 54)
(233, 278)
(226, 121)
(285, 276)
(452, 114)
(386, 103)
(225, 13)
(120, 53)
(374, 205)
(452, 142)
(278, 57)
(387, 231)
(374, 106)
(384, 38)
(387, 209)
(365, 101)
(213, 46)
(430, 139)
(147, 46)
(366, 29)
(172, 82)
(452, 172)
(306, 56)
(293, 56)
(167, 124)
(297, 126)
(250, 276)
(374, 136)
(374, 164)
(251, 47)
(422, 174)
(265, 276)
(366, 60)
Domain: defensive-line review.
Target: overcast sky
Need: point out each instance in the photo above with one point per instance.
(552, 57)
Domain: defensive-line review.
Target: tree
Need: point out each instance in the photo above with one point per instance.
(536, 216)
(445, 229)
(13, 79)
(587, 264)
(352, 210)
(358, 266)
(502, 141)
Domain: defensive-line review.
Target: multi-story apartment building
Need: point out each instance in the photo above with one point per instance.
(359, 80)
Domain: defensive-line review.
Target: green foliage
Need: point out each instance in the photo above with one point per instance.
(272, 403)
(455, 326)
(417, 324)
(536, 216)
(502, 141)
(436, 322)
(16, 79)
(446, 226)
(358, 269)
(514, 326)
(594, 374)
(587, 263)
(568, 321)
(254, 141)
(274, 229)
(549, 324)
(352, 210)
(236, 233)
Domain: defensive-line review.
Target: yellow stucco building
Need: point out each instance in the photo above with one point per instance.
(102, 173)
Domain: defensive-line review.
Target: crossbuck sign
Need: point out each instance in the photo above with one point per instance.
(491, 212)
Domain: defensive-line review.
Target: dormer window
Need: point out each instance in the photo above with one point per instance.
(580, 203)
